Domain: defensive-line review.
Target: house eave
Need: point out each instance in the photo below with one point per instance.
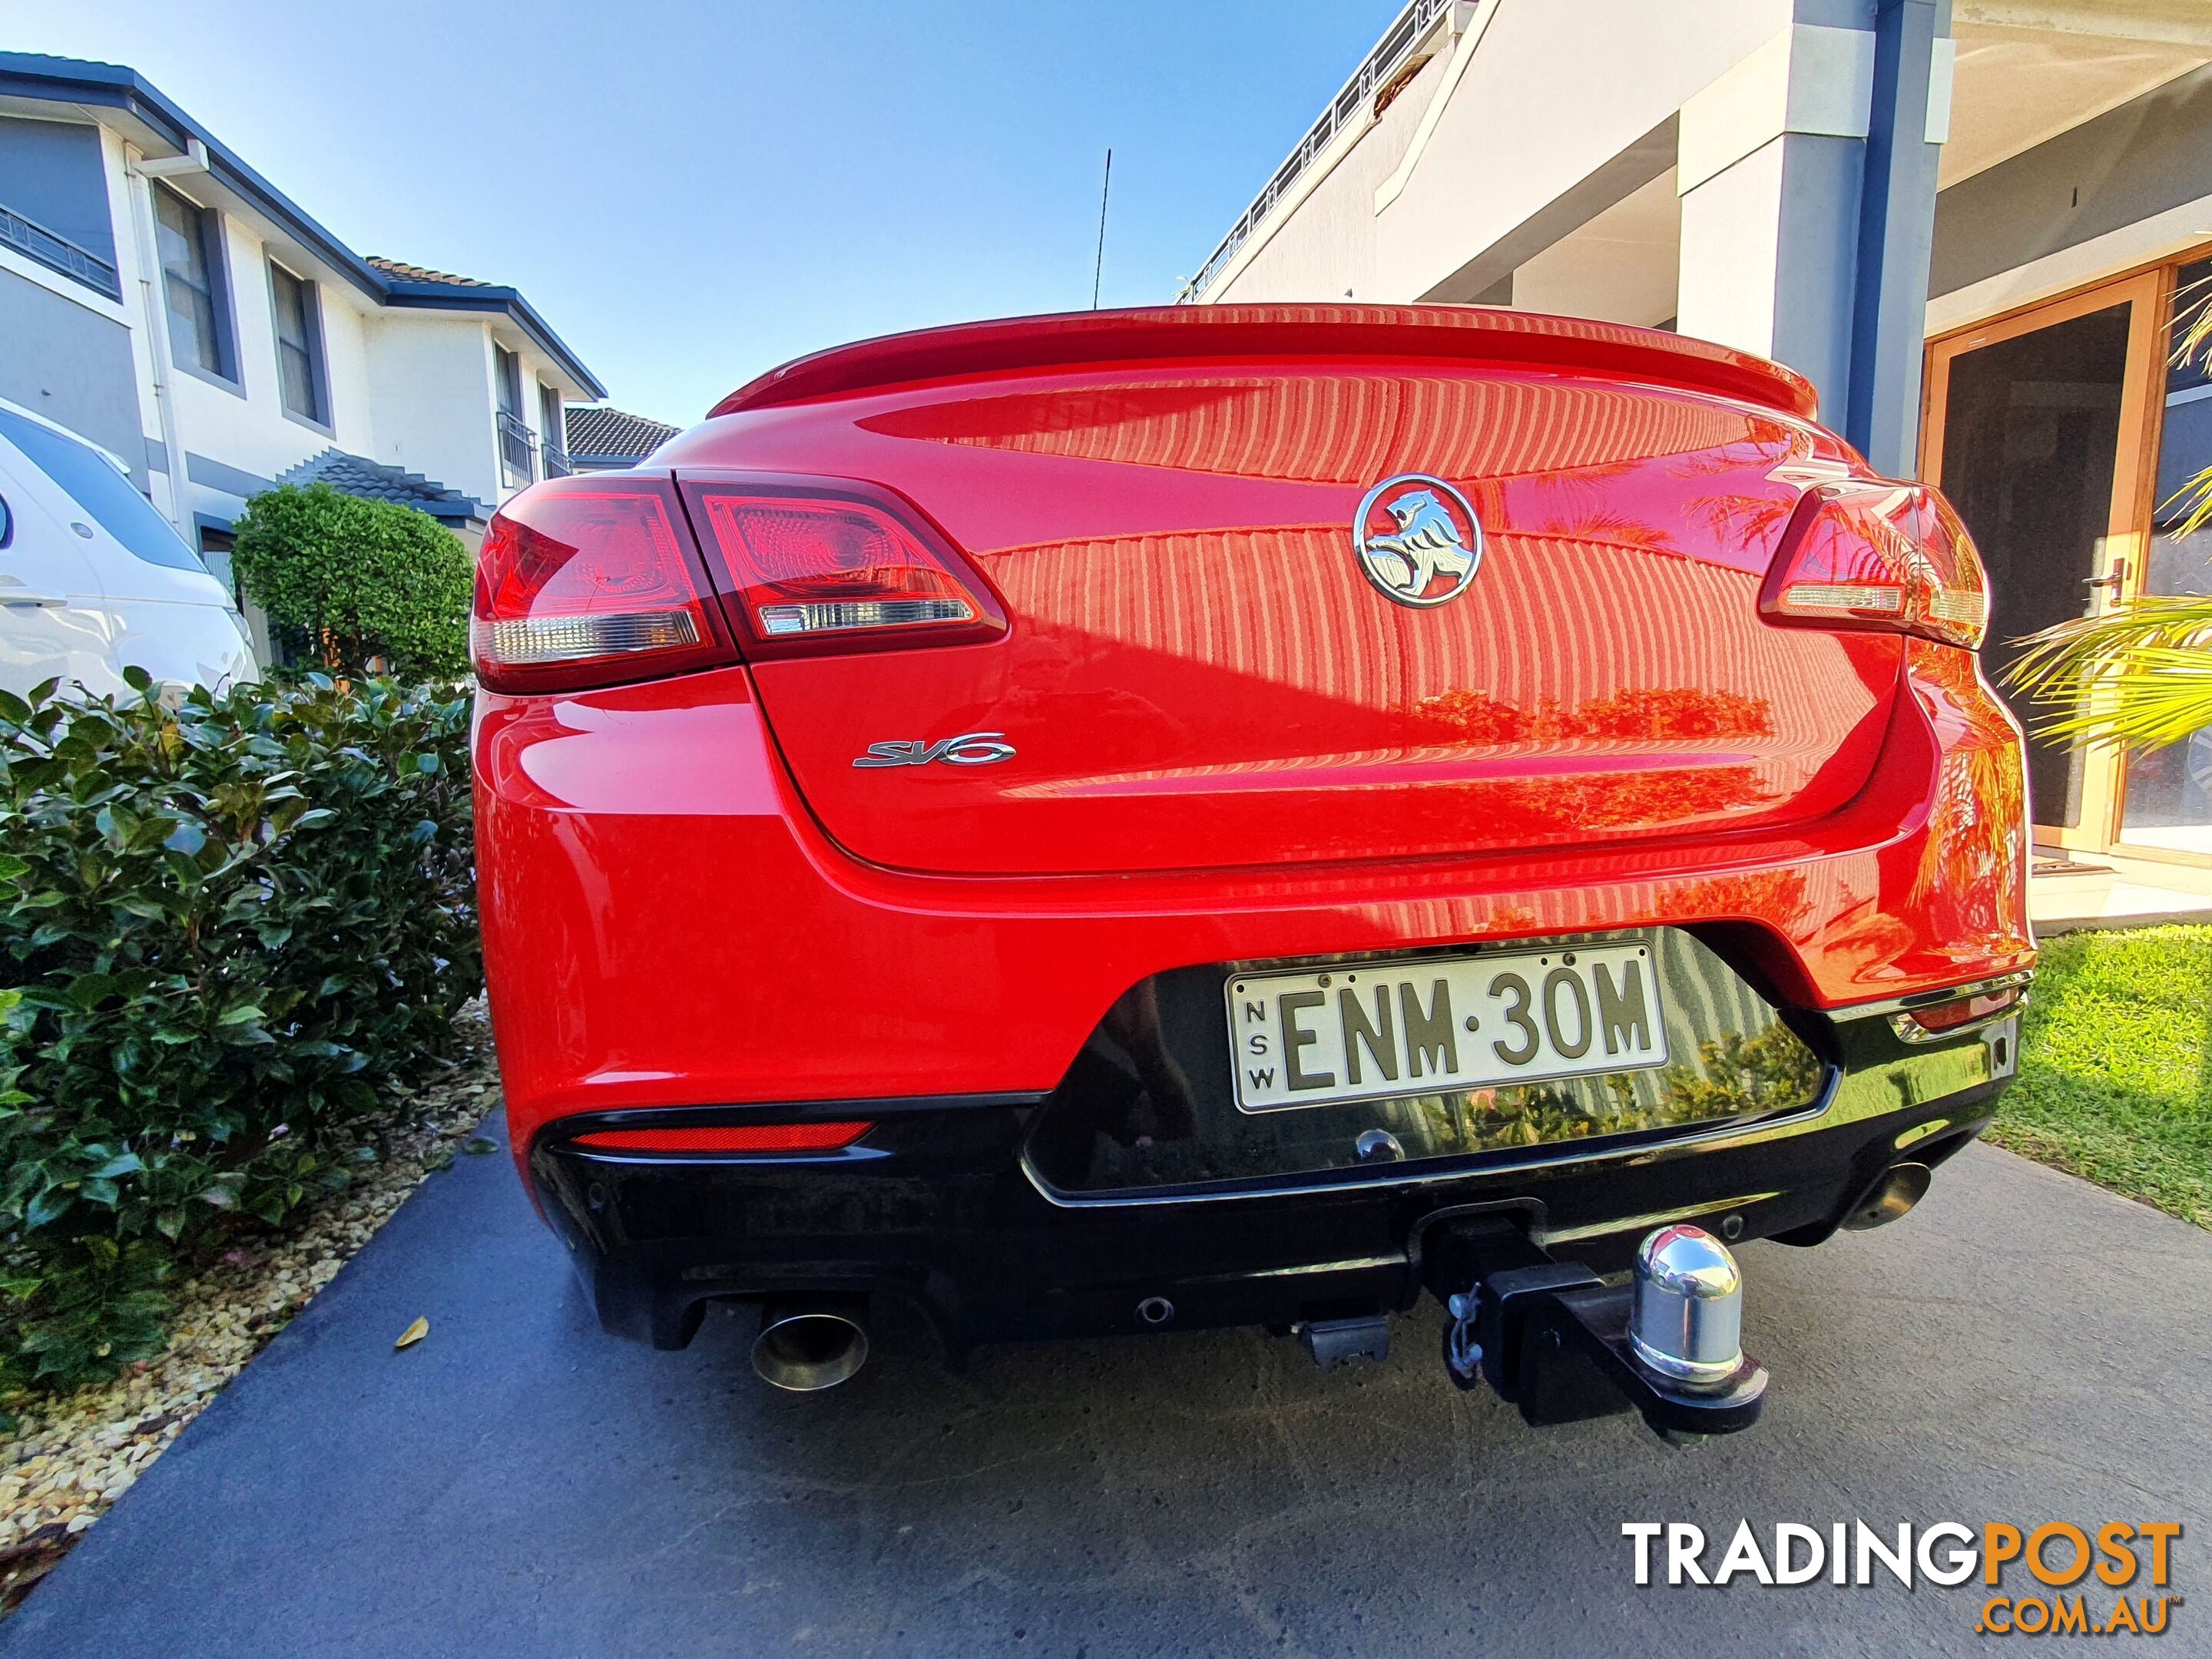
(164, 130)
(161, 129)
(502, 301)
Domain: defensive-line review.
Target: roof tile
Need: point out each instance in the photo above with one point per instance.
(356, 475)
(407, 273)
(600, 432)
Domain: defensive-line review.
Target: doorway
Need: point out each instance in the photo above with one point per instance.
(2036, 429)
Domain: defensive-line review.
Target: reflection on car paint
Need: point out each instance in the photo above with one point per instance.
(1150, 1102)
(1186, 601)
(1630, 715)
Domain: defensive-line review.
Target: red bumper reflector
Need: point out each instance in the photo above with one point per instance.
(1944, 1016)
(730, 1138)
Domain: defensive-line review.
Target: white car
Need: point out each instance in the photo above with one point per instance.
(93, 580)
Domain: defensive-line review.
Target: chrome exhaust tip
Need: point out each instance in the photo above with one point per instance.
(1686, 1317)
(804, 1350)
(1900, 1187)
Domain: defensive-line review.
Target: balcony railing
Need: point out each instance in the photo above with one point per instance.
(517, 443)
(556, 461)
(34, 241)
(1397, 44)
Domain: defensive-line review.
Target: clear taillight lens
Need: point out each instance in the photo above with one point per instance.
(587, 581)
(808, 571)
(1880, 556)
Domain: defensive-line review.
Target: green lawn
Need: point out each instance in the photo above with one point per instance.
(2116, 1067)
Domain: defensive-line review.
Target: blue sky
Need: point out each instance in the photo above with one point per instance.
(690, 193)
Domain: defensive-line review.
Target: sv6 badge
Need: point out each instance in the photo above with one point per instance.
(974, 749)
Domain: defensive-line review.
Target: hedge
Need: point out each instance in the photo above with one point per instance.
(227, 925)
(356, 580)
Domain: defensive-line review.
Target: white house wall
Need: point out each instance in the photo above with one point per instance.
(1325, 249)
(1554, 92)
(430, 393)
(1620, 267)
(348, 317)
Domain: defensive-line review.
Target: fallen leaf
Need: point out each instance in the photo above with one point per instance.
(479, 1144)
(413, 1334)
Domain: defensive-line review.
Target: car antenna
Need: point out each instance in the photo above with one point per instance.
(1098, 266)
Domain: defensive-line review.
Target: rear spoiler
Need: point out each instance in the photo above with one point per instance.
(1367, 334)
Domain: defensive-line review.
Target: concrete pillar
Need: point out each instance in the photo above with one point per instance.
(1771, 158)
(1807, 180)
(1909, 121)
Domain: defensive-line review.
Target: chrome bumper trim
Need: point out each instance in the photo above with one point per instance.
(2021, 979)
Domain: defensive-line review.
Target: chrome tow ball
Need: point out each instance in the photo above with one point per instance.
(1686, 1317)
(1555, 1340)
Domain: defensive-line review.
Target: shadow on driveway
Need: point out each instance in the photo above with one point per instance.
(2024, 1348)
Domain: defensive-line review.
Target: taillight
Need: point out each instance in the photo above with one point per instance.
(730, 1138)
(587, 582)
(1880, 556)
(1926, 1023)
(810, 568)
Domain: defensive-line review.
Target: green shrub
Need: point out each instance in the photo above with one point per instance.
(359, 579)
(225, 925)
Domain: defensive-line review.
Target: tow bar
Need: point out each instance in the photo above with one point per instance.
(1555, 1340)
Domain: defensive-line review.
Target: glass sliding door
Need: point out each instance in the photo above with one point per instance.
(2168, 800)
(2035, 429)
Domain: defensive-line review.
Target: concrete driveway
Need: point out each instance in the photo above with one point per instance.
(2024, 1348)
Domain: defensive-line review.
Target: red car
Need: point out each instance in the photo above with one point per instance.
(1230, 815)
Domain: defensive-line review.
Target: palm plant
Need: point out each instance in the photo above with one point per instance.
(2141, 674)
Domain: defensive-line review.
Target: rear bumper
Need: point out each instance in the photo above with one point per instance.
(939, 1208)
(666, 926)
(670, 938)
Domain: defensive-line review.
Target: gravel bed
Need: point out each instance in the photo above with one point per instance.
(69, 1457)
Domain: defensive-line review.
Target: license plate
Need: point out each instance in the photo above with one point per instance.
(1423, 1025)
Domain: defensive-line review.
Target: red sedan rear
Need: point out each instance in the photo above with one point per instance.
(1140, 819)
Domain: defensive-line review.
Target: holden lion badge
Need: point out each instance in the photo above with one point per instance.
(1416, 539)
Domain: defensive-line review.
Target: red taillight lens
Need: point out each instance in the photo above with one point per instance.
(730, 1138)
(589, 580)
(810, 571)
(1879, 555)
(1955, 606)
(1949, 1016)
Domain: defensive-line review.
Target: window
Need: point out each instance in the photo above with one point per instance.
(2168, 803)
(191, 281)
(515, 440)
(551, 438)
(53, 200)
(214, 553)
(89, 479)
(299, 346)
